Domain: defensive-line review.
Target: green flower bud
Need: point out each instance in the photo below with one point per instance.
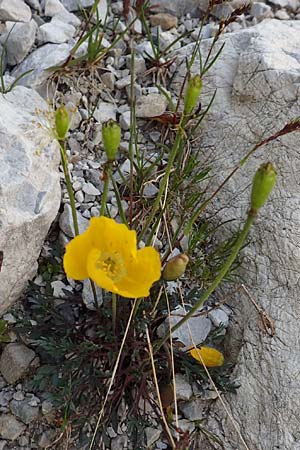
(62, 122)
(175, 267)
(262, 185)
(111, 137)
(192, 94)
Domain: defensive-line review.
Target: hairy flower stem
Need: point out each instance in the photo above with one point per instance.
(64, 162)
(163, 184)
(114, 311)
(107, 173)
(235, 250)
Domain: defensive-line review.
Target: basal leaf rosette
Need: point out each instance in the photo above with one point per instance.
(107, 253)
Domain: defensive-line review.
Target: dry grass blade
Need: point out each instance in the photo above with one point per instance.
(113, 375)
(157, 390)
(230, 416)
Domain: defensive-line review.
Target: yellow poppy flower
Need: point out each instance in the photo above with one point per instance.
(210, 356)
(107, 253)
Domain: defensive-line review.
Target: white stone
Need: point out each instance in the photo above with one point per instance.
(194, 410)
(14, 361)
(53, 7)
(59, 287)
(10, 427)
(282, 15)
(67, 17)
(152, 435)
(125, 120)
(257, 77)
(151, 105)
(56, 32)
(76, 5)
(15, 10)
(183, 387)
(66, 221)
(260, 10)
(178, 8)
(19, 40)
(29, 188)
(105, 111)
(219, 317)
(89, 188)
(39, 60)
(194, 330)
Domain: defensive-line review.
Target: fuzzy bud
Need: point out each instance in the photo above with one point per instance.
(62, 122)
(192, 94)
(262, 185)
(175, 267)
(208, 356)
(111, 137)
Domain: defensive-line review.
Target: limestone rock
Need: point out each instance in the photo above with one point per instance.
(15, 10)
(56, 32)
(29, 188)
(165, 20)
(66, 221)
(10, 427)
(20, 40)
(76, 5)
(14, 362)
(194, 329)
(257, 77)
(39, 61)
(151, 105)
(53, 7)
(178, 8)
(24, 411)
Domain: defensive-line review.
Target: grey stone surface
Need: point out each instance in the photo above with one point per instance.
(178, 8)
(39, 61)
(195, 329)
(76, 5)
(88, 296)
(56, 32)
(29, 188)
(24, 411)
(15, 10)
(66, 221)
(10, 427)
(19, 40)
(183, 388)
(258, 80)
(15, 361)
(150, 105)
(53, 7)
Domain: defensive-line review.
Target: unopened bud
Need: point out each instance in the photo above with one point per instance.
(262, 185)
(208, 356)
(175, 267)
(111, 137)
(192, 94)
(61, 122)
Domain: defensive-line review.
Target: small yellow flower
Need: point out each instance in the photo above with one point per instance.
(210, 356)
(107, 253)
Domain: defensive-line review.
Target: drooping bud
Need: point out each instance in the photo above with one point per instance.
(175, 267)
(111, 137)
(192, 94)
(262, 185)
(62, 122)
(210, 356)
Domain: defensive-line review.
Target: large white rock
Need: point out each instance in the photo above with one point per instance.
(29, 188)
(19, 40)
(258, 82)
(15, 10)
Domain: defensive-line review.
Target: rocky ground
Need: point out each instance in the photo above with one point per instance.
(40, 34)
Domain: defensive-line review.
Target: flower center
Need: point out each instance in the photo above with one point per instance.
(112, 264)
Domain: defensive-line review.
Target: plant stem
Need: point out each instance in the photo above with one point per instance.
(114, 311)
(235, 250)
(163, 184)
(64, 163)
(107, 173)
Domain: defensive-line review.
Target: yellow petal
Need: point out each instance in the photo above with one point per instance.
(75, 258)
(142, 272)
(97, 275)
(207, 355)
(109, 236)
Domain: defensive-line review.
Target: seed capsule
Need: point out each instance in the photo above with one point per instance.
(262, 185)
(61, 122)
(111, 137)
(175, 267)
(192, 94)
